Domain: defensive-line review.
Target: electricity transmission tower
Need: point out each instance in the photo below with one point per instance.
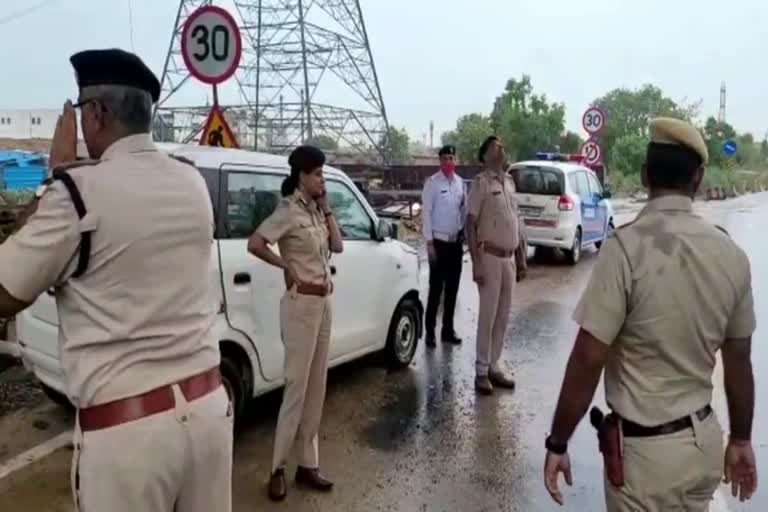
(721, 112)
(307, 74)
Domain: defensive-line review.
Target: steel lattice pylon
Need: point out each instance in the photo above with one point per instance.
(306, 72)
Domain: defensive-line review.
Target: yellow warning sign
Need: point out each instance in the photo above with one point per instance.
(217, 131)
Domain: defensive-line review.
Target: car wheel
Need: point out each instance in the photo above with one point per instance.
(608, 232)
(403, 337)
(574, 255)
(232, 379)
(57, 398)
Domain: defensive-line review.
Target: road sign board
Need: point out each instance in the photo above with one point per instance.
(593, 120)
(592, 152)
(217, 131)
(211, 44)
(729, 148)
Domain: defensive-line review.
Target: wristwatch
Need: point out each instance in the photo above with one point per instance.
(328, 213)
(555, 447)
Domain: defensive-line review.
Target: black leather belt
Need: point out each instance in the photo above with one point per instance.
(631, 429)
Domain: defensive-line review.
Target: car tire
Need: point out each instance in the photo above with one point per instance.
(608, 232)
(574, 254)
(232, 379)
(403, 336)
(57, 398)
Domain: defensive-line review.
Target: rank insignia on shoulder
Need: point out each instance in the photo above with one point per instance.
(83, 162)
(183, 160)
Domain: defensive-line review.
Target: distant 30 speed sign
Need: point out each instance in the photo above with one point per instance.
(593, 120)
(211, 44)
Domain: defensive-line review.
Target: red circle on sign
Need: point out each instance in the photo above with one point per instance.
(185, 52)
(597, 110)
(593, 156)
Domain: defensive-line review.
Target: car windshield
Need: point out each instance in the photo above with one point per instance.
(538, 180)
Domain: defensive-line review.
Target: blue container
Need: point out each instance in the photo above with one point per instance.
(21, 169)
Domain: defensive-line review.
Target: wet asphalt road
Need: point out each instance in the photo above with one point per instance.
(421, 440)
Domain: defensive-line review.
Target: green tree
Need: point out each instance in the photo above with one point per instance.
(525, 121)
(629, 112)
(715, 134)
(324, 142)
(470, 132)
(396, 146)
(628, 154)
(570, 142)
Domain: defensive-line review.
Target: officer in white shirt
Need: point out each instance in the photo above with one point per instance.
(443, 214)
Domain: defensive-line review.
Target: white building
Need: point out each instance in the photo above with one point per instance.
(28, 123)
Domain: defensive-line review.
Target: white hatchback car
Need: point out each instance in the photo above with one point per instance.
(562, 204)
(376, 280)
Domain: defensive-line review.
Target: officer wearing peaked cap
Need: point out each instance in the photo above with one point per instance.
(124, 240)
(443, 215)
(668, 292)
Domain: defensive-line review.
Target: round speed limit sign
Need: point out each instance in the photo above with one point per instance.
(211, 44)
(593, 120)
(591, 152)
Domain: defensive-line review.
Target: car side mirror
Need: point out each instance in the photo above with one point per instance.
(384, 230)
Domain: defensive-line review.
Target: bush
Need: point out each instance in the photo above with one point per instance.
(16, 197)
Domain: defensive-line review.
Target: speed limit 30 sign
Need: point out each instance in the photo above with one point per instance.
(211, 44)
(591, 152)
(593, 120)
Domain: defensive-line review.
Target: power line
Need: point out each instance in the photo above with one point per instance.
(23, 12)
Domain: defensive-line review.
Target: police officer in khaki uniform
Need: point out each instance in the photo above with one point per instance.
(493, 236)
(668, 292)
(305, 230)
(124, 241)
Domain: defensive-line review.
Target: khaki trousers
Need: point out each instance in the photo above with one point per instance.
(679, 471)
(495, 302)
(174, 461)
(306, 326)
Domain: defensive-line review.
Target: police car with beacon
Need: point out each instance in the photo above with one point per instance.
(563, 203)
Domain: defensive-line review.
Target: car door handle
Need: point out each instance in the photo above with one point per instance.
(242, 278)
(333, 270)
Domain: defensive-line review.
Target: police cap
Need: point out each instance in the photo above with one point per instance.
(448, 149)
(114, 67)
(667, 130)
(306, 158)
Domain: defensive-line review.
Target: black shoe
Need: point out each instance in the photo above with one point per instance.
(431, 343)
(451, 338)
(313, 479)
(277, 487)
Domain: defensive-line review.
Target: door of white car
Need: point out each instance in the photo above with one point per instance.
(252, 288)
(362, 297)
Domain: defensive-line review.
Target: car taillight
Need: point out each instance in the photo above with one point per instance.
(565, 204)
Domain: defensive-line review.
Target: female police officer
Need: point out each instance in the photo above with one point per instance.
(304, 228)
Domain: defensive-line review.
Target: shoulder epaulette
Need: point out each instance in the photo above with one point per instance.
(85, 162)
(183, 160)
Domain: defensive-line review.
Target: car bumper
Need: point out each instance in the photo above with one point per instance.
(559, 237)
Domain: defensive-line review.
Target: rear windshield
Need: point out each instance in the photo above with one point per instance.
(537, 180)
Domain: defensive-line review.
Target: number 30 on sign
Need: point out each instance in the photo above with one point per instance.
(594, 120)
(211, 44)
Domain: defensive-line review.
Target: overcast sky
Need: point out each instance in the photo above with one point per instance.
(439, 59)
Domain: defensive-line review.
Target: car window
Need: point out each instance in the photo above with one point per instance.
(251, 198)
(581, 177)
(574, 184)
(354, 221)
(594, 185)
(536, 180)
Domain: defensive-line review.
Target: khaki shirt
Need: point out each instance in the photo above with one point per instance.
(493, 205)
(666, 302)
(301, 233)
(141, 316)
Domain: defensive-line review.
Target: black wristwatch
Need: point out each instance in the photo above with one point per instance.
(328, 213)
(555, 447)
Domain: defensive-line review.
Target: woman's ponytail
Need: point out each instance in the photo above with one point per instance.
(290, 183)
